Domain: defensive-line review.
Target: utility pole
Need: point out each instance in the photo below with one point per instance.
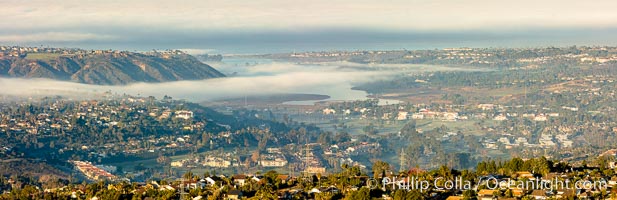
(306, 160)
(403, 160)
(183, 194)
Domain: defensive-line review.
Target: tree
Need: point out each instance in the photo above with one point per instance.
(399, 195)
(414, 194)
(370, 129)
(380, 168)
(342, 137)
(188, 175)
(469, 194)
(508, 193)
(409, 128)
(361, 194)
(325, 138)
(266, 192)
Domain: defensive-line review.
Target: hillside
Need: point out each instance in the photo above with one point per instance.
(106, 67)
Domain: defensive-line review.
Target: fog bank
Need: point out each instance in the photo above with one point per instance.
(254, 79)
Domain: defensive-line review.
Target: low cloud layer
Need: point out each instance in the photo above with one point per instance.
(260, 79)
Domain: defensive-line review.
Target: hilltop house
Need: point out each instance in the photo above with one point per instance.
(239, 179)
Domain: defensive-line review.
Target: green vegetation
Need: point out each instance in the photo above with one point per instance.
(105, 67)
(351, 183)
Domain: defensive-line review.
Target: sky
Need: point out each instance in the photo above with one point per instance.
(232, 26)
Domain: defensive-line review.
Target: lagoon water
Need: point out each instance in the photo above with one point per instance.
(340, 91)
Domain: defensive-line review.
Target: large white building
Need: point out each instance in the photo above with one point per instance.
(184, 114)
(272, 160)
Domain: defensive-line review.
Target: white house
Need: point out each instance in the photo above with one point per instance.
(329, 111)
(500, 117)
(540, 118)
(184, 114)
(402, 115)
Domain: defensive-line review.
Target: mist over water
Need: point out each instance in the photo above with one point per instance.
(248, 77)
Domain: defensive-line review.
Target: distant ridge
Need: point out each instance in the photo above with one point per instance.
(102, 67)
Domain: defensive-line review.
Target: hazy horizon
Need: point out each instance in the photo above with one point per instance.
(272, 26)
(339, 39)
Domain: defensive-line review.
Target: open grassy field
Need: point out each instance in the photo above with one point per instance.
(130, 165)
(355, 126)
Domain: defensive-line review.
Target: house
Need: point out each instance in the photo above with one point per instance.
(209, 181)
(402, 115)
(314, 190)
(417, 116)
(539, 194)
(329, 111)
(504, 140)
(489, 144)
(610, 152)
(546, 140)
(194, 184)
(518, 192)
(239, 179)
(427, 113)
(500, 117)
(525, 174)
(177, 164)
(563, 193)
(386, 116)
(329, 190)
(284, 178)
(486, 106)
(316, 170)
(184, 114)
(272, 160)
(540, 118)
(585, 195)
(216, 162)
(613, 181)
(166, 187)
(455, 198)
(570, 108)
(450, 116)
(285, 195)
(234, 195)
(273, 150)
(486, 194)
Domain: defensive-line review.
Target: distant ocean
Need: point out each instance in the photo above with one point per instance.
(329, 40)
